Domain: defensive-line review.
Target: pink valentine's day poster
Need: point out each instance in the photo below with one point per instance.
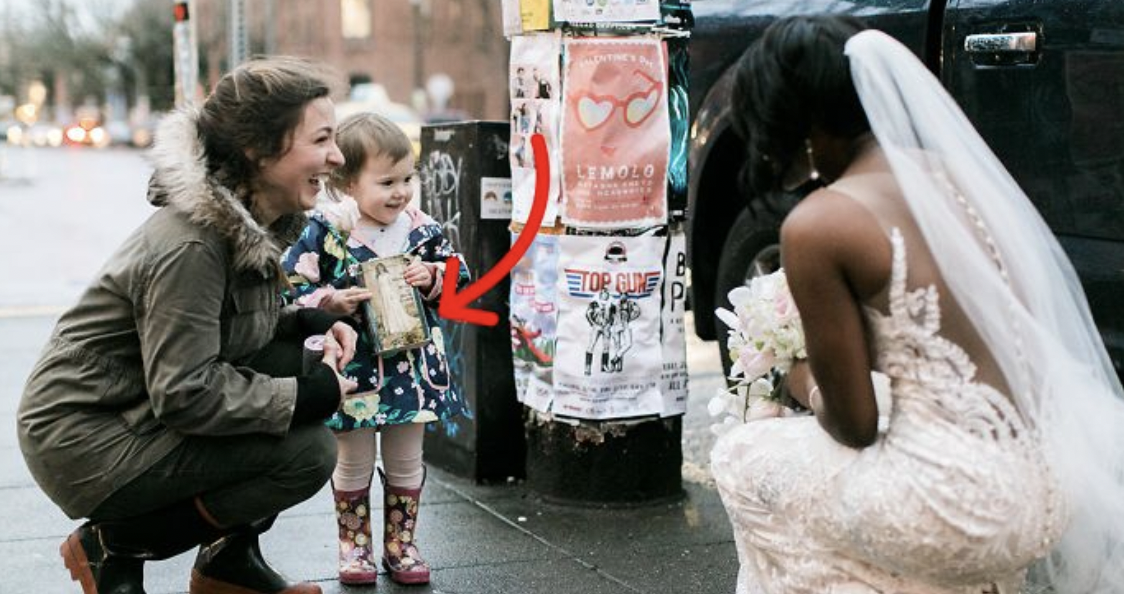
(615, 133)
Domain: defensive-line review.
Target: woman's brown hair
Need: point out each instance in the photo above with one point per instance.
(251, 114)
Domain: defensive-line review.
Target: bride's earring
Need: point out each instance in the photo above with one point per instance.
(814, 174)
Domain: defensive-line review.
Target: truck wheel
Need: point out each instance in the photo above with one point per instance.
(752, 248)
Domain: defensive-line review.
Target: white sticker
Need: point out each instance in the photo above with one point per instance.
(495, 198)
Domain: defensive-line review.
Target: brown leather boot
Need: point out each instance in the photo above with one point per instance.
(96, 569)
(400, 516)
(107, 557)
(234, 565)
(356, 556)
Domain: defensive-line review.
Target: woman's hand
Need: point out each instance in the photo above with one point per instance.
(337, 356)
(419, 274)
(799, 382)
(345, 301)
(343, 339)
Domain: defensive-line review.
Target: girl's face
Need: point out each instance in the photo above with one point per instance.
(383, 188)
(288, 184)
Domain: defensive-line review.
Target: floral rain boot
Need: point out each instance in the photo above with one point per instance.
(400, 514)
(356, 559)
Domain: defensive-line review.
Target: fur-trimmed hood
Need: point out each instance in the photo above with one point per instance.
(180, 181)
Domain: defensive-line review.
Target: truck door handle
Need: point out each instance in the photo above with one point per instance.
(1024, 42)
(1018, 48)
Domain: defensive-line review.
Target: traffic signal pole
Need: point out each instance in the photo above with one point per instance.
(186, 54)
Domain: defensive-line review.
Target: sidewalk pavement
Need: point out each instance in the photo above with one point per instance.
(496, 539)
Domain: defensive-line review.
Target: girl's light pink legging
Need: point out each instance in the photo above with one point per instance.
(401, 456)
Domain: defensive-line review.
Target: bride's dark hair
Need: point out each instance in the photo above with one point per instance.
(793, 77)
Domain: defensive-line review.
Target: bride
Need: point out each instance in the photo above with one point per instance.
(922, 259)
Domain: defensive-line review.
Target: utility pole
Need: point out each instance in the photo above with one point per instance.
(270, 27)
(237, 20)
(421, 12)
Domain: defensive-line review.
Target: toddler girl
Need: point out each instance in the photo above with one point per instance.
(365, 213)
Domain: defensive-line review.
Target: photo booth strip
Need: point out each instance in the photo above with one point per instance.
(535, 105)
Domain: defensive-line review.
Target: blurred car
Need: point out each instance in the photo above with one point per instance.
(37, 134)
(86, 132)
(144, 128)
(120, 134)
(6, 125)
(143, 134)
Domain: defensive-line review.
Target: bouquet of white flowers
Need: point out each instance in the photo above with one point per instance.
(765, 338)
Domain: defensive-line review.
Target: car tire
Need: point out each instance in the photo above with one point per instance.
(752, 248)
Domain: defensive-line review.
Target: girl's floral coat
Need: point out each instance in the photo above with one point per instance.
(412, 386)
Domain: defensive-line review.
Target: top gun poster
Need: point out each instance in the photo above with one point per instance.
(609, 359)
(615, 133)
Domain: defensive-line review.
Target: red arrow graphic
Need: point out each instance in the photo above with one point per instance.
(454, 305)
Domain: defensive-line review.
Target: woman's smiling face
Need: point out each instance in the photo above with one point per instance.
(383, 188)
(289, 183)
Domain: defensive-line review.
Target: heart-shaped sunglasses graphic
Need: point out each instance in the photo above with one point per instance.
(594, 110)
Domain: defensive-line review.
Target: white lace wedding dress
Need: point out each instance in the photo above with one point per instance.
(953, 497)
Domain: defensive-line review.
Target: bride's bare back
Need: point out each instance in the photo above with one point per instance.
(837, 255)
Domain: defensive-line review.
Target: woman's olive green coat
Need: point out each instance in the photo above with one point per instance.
(152, 350)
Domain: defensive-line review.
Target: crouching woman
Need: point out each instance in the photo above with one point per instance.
(169, 407)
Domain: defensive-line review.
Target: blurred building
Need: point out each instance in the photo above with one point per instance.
(399, 44)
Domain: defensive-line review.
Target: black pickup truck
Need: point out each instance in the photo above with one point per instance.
(1042, 80)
